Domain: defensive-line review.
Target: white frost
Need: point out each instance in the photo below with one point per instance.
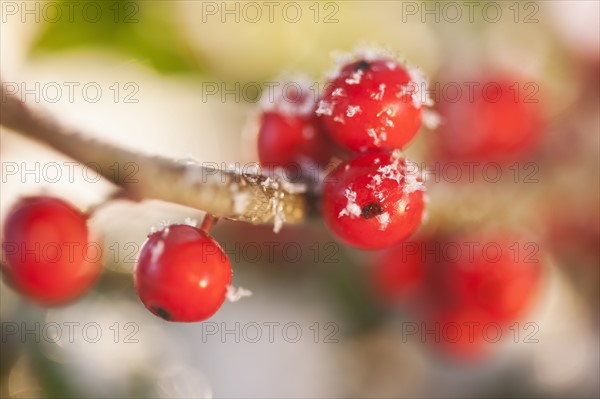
(280, 101)
(352, 110)
(235, 294)
(420, 96)
(411, 182)
(355, 78)
(324, 108)
(384, 220)
(338, 92)
(351, 209)
(191, 222)
(378, 95)
(377, 138)
(431, 119)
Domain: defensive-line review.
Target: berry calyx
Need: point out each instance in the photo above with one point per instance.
(290, 135)
(182, 274)
(497, 121)
(373, 201)
(373, 103)
(48, 254)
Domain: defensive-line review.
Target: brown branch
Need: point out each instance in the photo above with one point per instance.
(239, 196)
(257, 199)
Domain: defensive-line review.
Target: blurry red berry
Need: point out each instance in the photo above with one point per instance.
(502, 120)
(290, 135)
(182, 274)
(48, 255)
(467, 289)
(397, 276)
(373, 201)
(373, 105)
(501, 279)
(464, 333)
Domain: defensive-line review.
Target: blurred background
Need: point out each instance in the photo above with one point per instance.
(183, 79)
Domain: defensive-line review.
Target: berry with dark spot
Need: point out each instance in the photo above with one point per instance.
(182, 274)
(374, 200)
(372, 209)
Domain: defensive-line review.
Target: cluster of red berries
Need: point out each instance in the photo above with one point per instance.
(182, 274)
(462, 286)
(372, 107)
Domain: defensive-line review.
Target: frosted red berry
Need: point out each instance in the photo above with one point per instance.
(373, 201)
(501, 120)
(182, 274)
(48, 254)
(290, 135)
(373, 104)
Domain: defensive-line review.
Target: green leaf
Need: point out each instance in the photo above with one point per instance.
(145, 31)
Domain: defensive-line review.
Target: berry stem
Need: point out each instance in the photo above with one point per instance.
(208, 222)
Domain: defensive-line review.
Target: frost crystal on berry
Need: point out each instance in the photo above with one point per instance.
(191, 222)
(411, 182)
(351, 209)
(384, 220)
(420, 96)
(377, 138)
(338, 92)
(324, 108)
(162, 226)
(375, 186)
(281, 101)
(378, 95)
(431, 119)
(355, 78)
(352, 110)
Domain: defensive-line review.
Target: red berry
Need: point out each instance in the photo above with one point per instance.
(373, 201)
(499, 122)
(373, 104)
(483, 290)
(182, 274)
(289, 134)
(48, 256)
(465, 333)
(501, 279)
(398, 275)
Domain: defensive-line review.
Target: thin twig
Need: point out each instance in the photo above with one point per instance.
(239, 196)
